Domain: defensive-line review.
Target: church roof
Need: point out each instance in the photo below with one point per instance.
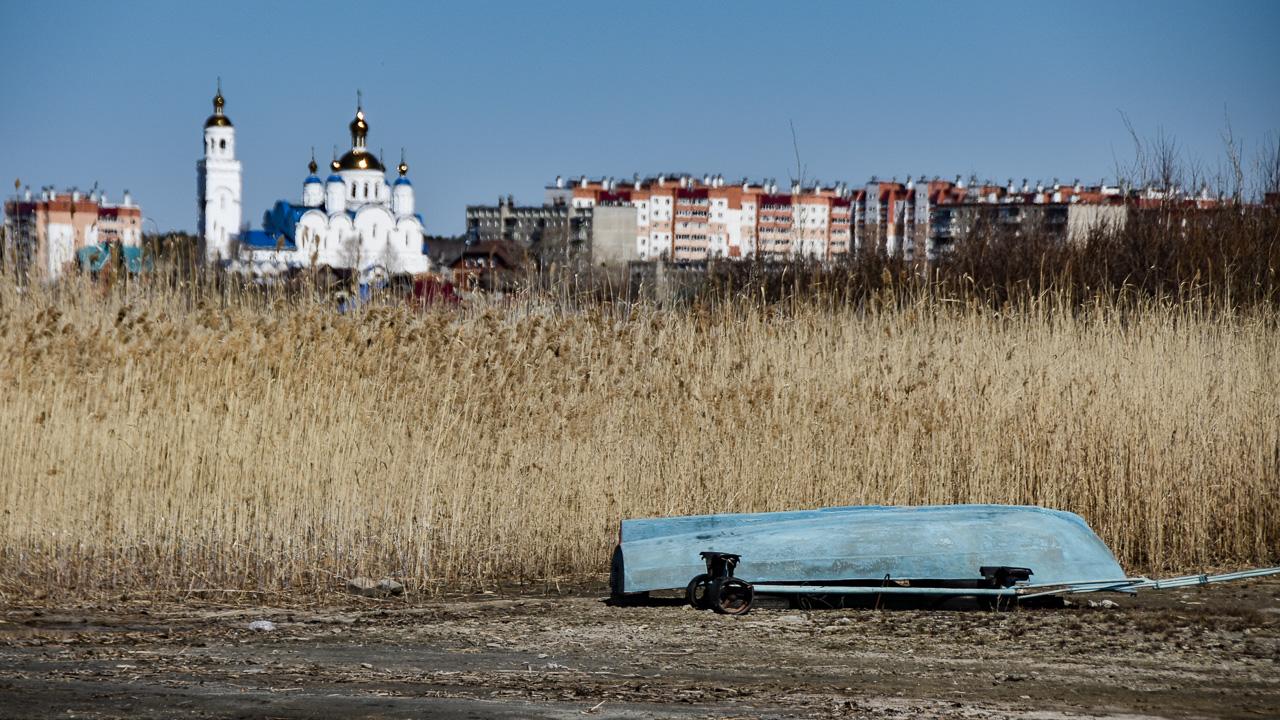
(333, 179)
(281, 221)
(263, 240)
(311, 180)
(403, 181)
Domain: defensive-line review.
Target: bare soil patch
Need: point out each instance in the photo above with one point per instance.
(1201, 652)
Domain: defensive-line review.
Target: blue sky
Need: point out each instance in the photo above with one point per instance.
(497, 98)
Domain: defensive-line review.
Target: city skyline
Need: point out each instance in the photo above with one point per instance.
(502, 99)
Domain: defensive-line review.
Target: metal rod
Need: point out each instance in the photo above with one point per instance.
(1083, 583)
(1187, 580)
(1135, 584)
(890, 590)
(1074, 589)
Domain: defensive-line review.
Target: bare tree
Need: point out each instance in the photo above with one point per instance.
(1166, 162)
(1268, 165)
(1156, 162)
(1133, 173)
(1235, 152)
(796, 230)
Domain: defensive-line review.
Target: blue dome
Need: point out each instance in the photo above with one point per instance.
(334, 179)
(311, 180)
(403, 181)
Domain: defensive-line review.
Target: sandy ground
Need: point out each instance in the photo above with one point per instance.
(1202, 652)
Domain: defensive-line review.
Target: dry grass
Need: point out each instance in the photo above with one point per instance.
(166, 443)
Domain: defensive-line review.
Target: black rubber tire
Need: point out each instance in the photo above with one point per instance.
(698, 592)
(616, 574)
(731, 596)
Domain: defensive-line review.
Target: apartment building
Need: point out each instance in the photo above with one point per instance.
(947, 210)
(561, 232)
(556, 232)
(48, 234)
(683, 218)
(686, 219)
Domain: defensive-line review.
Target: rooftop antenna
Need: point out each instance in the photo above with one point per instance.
(795, 145)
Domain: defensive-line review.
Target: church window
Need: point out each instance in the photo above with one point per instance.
(353, 190)
(222, 144)
(366, 190)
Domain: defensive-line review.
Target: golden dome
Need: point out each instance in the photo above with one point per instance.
(359, 159)
(218, 119)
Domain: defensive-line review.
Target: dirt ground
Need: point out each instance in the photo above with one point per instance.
(1201, 652)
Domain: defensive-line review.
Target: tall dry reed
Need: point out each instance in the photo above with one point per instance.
(171, 440)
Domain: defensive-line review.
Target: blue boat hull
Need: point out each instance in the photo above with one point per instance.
(944, 543)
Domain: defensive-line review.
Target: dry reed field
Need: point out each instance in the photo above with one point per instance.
(155, 442)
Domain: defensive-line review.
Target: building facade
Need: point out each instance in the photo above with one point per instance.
(683, 218)
(555, 234)
(49, 234)
(353, 221)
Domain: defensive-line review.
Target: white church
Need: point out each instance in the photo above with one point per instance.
(354, 221)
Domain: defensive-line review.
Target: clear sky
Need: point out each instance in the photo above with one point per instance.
(491, 99)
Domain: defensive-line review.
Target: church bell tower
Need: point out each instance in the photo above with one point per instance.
(218, 177)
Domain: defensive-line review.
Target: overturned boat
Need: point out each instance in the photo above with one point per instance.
(993, 552)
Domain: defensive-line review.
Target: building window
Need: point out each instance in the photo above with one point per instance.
(222, 144)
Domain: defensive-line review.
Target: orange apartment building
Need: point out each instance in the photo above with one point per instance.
(687, 219)
(44, 234)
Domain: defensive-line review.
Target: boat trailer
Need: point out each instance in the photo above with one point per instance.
(718, 590)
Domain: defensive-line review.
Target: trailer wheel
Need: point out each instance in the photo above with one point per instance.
(731, 596)
(698, 593)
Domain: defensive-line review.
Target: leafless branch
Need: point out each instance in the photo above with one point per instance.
(1268, 164)
(1235, 151)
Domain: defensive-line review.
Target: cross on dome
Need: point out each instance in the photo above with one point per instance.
(218, 119)
(359, 157)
